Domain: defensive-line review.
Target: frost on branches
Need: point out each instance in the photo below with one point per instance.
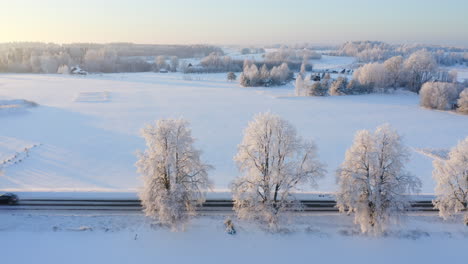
(451, 176)
(372, 180)
(174, 177)
(275, 162)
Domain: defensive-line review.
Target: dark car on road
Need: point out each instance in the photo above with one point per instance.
(8, 198)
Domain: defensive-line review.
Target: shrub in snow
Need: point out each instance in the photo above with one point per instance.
(339, 86)
(274, 162)
(354, 87)
(229, 227)
(317, 89)
(372, 180)
(174, 177)
(463, 102)
(438, 95)
(231, 76)
(451, 176)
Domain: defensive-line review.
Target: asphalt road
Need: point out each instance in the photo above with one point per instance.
(134, 205)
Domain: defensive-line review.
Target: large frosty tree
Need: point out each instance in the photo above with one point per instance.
(419, 66)
(174, 177)
(372, 181)
(275, 162)
(451, 176)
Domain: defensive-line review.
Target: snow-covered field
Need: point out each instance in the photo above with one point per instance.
(85, 131)
(87, 237)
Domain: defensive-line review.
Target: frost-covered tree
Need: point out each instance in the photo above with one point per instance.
(420, 66)
(174, 177)
(101, 60)
(174, 63)
(463, 102)
(438, 95)
(372, 75)
(63, 70)
(49, 63)
(394, 71)
(372, 180)
(451, 176)
(274, 162)
(303, 67)
(252, 74)
(281, 74)
(231, 76)
(243, 80)
(317, 89)
(264, 73)
(160, 63)
(354, 87)
(339, 86)
(300, 86)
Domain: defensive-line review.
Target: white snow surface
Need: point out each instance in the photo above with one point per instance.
(100, 237)
(90, 146)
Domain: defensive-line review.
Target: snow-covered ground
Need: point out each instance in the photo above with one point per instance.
(87, 237)
(89, 143)
(333, 62)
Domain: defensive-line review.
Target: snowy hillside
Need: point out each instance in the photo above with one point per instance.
(86, 129)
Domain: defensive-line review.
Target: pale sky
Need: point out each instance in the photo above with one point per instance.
(235, 21)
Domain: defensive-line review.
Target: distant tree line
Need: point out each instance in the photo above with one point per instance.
(373, 51)
(245, 51)
(37, 57)
(217, 62)
(285, 54)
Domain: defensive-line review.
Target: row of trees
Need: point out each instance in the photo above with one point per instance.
(374, 51)
(252, 50)
(327, 86)
(164, 63)
(277, 75)
(275, 163)
(114, 57)
(285, 54)
(438, 89)
(216, 62)
(410, 73)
